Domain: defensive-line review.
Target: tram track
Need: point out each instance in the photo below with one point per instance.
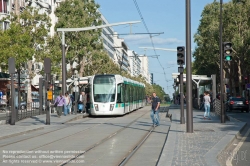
(57, 139)
(88, 149)
(138, 145)
(42, 134)
(76, 156)
(95, 145)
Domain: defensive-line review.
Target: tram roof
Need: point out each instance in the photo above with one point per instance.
(132, 82)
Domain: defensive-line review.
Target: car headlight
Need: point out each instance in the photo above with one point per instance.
(96, 107)
(111, 107)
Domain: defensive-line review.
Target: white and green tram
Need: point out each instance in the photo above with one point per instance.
(115, 95)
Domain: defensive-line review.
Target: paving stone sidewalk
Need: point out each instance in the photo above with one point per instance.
(35, 123)
(201, 147)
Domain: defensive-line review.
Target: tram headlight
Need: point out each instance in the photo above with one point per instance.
(111, 107)
(96, 107)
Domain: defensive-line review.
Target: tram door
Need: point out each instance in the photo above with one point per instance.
(130, 98)
(123, 92)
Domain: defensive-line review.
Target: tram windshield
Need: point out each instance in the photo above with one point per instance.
(104, 88)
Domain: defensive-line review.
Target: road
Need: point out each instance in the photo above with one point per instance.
(238, 153)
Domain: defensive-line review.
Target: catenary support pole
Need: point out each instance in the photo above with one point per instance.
(182, 118)
(221, 69)
(63, 64)
(189, 108)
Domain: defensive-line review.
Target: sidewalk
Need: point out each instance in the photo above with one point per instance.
(201, 147)
(35, 123)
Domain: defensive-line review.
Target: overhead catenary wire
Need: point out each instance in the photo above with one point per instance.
(152, 42)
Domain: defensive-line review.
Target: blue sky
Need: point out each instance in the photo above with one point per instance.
(166, 16)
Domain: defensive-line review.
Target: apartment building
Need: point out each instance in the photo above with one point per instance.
(145, 69)
(135, 63)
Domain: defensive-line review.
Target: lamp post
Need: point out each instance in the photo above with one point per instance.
(221, 69)
(63, 30)
(76, 90)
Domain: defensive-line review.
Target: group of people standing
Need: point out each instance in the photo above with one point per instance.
(64, 104)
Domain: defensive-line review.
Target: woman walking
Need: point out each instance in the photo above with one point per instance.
(207, 101)
(67, 104)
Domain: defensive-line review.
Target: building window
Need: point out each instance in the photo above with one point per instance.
(3, 6)
(4, 25)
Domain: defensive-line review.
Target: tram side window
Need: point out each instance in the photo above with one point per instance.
(126, 93)
(120, 93)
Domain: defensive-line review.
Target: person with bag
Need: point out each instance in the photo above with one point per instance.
(67, 106)
(82, 100)
(155, 110)
(59, 104)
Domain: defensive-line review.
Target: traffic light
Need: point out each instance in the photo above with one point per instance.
(181, 55)
(228, 51)
(47, 85)
(246, 80)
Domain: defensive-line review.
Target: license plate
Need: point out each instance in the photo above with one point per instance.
(239, 102)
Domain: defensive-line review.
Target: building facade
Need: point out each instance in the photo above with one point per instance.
(107, 38)
(135, 63)
(145, 69)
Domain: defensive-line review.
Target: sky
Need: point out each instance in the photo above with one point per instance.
(160, 16)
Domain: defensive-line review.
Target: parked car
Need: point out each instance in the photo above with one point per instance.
(3, 104)
(35, 104)
(237, 103)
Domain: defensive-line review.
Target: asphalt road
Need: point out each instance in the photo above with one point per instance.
(238, 153)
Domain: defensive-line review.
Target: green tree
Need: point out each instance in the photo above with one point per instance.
(235, 30)
(206, 53)
(85, 48)
(15, 42)
(26, 38)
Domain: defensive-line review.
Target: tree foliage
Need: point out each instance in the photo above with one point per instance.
(83, 47)
(235, 29)
(26, 37)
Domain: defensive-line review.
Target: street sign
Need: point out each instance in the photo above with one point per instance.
(11, 65)
(49, 95)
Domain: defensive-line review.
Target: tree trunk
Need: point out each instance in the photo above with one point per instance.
(240, 77)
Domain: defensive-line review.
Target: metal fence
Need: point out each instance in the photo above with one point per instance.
(27, 111)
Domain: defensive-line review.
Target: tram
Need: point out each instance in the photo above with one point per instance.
(115, 95)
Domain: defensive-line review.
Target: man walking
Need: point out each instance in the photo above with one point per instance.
(155, 110)
(82, 100)
(59, 104)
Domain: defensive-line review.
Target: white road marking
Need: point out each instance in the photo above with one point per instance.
(236, 149)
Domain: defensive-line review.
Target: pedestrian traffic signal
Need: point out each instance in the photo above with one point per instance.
(181, 55)
(228, 51)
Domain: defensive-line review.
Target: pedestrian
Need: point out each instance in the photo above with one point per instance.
(155, 110)
(202, 106)
(207, 101)
(82, 100)
(67, 106)
(72, 103)
(59, 104)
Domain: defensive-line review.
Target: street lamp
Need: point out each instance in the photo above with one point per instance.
(63, 30)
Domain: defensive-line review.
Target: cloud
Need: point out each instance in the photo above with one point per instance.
(145, 40)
